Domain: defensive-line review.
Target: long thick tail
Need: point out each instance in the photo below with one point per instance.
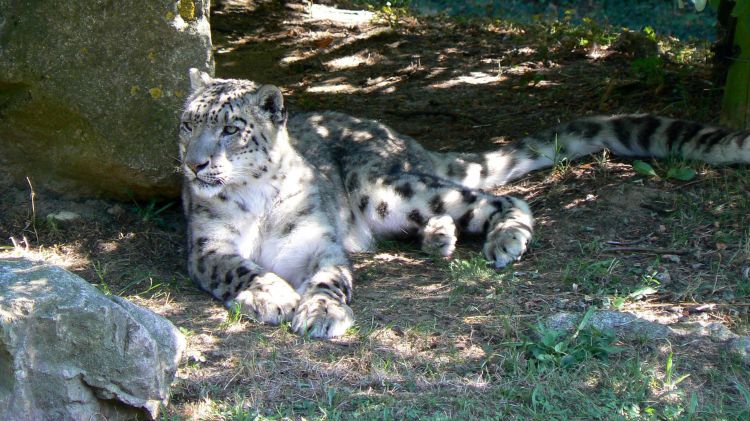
(624, 135)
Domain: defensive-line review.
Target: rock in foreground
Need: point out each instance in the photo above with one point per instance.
(69, 352)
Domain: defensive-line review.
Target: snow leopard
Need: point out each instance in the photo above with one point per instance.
(275, 204)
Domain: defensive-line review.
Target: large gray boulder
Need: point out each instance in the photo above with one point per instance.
(69, 352)
(90, 91)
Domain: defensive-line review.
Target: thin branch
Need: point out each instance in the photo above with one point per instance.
(33, 209)
(643, 250)
(630, 243)
(452, 115)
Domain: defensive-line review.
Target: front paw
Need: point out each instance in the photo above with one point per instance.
(268, 299)
(320, 316)
(439, 236)
(507, 245)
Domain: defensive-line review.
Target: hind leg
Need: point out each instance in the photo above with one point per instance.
(435, 208)
(509, 230)
(506, 222)
(406, 204)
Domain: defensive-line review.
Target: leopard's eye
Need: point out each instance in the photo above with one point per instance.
(229, 130)
(186, 126)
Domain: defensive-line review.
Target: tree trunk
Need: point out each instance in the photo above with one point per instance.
(733, 51)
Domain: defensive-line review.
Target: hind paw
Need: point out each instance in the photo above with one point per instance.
(506, 245)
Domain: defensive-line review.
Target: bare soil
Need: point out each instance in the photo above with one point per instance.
(425, 340)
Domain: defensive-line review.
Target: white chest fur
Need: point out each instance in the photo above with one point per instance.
(265, 229)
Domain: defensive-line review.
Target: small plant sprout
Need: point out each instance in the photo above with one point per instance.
(671, 379)
(675, 170)
(556, 349)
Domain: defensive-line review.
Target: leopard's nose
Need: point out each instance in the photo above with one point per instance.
(196, 166)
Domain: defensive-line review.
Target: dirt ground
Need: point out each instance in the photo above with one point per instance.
(436, 339)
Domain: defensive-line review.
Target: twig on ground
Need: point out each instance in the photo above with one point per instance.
(643, 250)
(658, 210)
(690, 183)
(630, 243)
(412, 113)
(33, 210)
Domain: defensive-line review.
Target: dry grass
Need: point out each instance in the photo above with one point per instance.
(453, 340)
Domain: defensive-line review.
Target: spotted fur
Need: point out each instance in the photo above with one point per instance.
(274, 205)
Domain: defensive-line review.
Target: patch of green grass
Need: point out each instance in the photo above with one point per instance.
(396, 246)
(619, 388)
(649, 70)
(475, 267)
(151, 211)
(593, 277)
(384, 365)
(722, 197)
(391, 12)
(671, 168)
(240, 412)
(164, 415)
(424, 327)
(559, 349)
(561, 165)
(151, 285)
(475, 275)
(234, 316)
(671, 379)
(743, 287)
(744, 392)
(101, 270)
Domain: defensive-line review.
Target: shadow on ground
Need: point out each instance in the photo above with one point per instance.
(430, 342)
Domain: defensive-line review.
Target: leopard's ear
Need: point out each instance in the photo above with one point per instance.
(199, 79)
(271, 101)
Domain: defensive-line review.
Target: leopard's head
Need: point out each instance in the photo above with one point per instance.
(228, 132)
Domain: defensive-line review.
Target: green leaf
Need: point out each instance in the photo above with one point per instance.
(612, 349)
(545, 357)
(642, 292)
(568, 361)
(680, 379)
(743, 391)
(693, 404)
(668, 369)
(682, 173)
(643, 168)
(741, 8)
(534, 393)
(650, 33)
(584, 321)
(549, 339)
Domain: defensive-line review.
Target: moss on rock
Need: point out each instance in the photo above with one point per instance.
(187, 10)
